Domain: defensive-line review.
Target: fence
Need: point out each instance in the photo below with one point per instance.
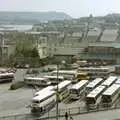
(51, 115)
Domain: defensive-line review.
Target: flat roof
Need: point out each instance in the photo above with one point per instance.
(43, 95)
(35, 78)
(90, 56)
(49, 88)
(111, 89)
(96, 91)
(109, 80)
(108, 44)
(94, 82)
(65, 71)
(50, 76)
(79, 84)
(63, 84)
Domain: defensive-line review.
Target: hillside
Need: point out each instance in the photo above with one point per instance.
(30, 17)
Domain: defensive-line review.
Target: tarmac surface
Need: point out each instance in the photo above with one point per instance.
(16, 102)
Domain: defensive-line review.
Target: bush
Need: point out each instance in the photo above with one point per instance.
(16, 85)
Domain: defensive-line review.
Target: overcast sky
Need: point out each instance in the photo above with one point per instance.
(75, 8)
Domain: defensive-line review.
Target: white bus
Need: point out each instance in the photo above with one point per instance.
(6, 77)
(92, 85)
(117, 81)
(37, 81)
(94, 97)
(63, 89)
(55, 79)
(43, 102)
(67, 74)
(77, 89)
(110, 95)
(48, 88)
(95, 72)
(109, 81)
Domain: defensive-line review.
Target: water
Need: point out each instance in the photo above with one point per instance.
(16, 27)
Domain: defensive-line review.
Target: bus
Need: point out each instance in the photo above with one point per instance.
(109, 81)
(55, 79)
(6, 77)
(37, 81)
(95, 72)
(93, 99)
(43, 102)
(67, 74)
(81, 76)
(117, 81)
(48, 88)
(63, 89)
(92, 85)
(77, 90)
(111, 95)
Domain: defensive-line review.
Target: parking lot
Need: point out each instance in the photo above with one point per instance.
(15, 102)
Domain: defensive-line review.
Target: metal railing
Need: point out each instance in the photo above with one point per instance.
(51, 115)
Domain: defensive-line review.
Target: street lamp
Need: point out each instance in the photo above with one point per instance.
(57, 94)
(57, 91)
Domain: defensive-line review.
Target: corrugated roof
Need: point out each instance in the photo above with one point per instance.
(97, 56)
(109, 35)
(115, 45)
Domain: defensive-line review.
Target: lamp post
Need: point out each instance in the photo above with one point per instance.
(57, 94)
(57, 91)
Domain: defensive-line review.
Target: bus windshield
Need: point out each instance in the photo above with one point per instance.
(90, 100)
(73, 91)
(35, 101)
(106, 98)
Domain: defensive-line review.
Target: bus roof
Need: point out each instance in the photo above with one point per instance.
(93, 68)
(117, 81)
(36, 78)
(49, 88)
(82, 73)
(79, 84)
(43, 95)
(65, 71)
(109, 80)
(63, 84)
(111, 89)
(51, 76)
(94, 82)
(96, 91)
(6, 73)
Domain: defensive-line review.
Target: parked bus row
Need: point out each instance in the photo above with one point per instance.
(103, 92)
(6, 77)
(55, 78)
(95, 72)
(45, 99)
(93, 84)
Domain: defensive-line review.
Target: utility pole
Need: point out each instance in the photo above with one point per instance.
(57, 94)
(2, 47)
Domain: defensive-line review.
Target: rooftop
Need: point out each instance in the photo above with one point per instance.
(104, 44)
(109, 35)
(111, 89)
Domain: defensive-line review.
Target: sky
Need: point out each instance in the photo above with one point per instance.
(75, 8)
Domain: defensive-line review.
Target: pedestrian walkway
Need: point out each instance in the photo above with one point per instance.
(102, 115)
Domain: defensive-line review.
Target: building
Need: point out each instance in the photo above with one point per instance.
(102, 53)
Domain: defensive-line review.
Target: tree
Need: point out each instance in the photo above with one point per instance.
(34, 53)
